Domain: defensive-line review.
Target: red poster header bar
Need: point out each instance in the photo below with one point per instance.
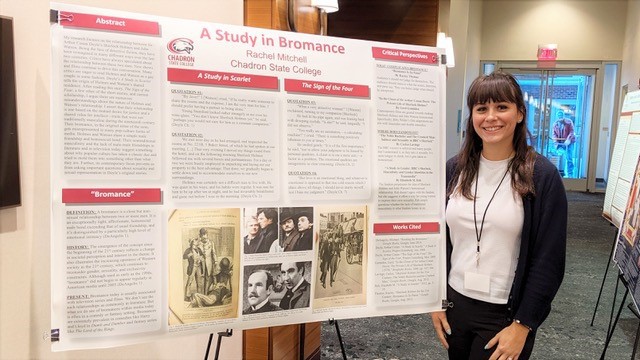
(222, 79)
(90, 21)
(422, 57)
(326, 88)
(91, 196)
(409, 227)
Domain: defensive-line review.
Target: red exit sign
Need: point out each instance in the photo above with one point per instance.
(547, 52)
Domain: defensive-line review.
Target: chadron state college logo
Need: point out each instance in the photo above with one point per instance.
(180, 46)
(180, 52)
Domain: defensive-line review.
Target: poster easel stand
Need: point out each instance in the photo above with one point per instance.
(335, 322)
(635, 312)
(606, 271)
(612, 327)
(227, 333)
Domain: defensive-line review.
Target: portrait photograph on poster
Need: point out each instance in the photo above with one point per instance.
(276, 287)
(296, 228)
(260, 234)
(295, 277)
(276, 230)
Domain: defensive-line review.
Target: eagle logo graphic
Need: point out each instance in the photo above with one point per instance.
(180, 46)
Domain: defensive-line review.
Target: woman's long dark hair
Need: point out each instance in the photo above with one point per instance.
(497, 87)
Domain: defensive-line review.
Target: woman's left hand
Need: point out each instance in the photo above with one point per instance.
(510, 342)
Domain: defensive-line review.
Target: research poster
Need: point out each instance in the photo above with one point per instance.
(623, 160)
(627, 250)
(207, 177)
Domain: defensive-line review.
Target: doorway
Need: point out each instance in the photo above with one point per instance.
(562, 116)
(559, 113)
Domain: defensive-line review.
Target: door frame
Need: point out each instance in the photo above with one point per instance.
(588, 184)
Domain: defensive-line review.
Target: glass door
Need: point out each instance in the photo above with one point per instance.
(559, 116)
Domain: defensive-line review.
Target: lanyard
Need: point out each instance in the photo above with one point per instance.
(475, 221)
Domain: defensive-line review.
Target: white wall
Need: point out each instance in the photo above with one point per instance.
(24, 231)
(583, 30)
(474, 47)
(464, 27)
(631, 53)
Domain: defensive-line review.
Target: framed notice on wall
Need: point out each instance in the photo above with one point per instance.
(207, 176)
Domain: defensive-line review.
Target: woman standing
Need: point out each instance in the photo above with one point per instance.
(506, 230)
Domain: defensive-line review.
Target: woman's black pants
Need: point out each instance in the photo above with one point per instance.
(473, 323)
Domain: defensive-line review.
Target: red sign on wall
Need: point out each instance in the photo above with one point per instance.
(548, 52)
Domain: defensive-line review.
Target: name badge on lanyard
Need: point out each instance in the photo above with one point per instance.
(473, 280)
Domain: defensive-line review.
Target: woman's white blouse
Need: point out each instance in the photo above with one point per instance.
(500, 241)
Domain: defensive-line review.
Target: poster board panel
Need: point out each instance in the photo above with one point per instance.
(627, 250)
(204, 173)
(623, 160)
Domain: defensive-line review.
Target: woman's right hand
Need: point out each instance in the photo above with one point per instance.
(441, 325)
